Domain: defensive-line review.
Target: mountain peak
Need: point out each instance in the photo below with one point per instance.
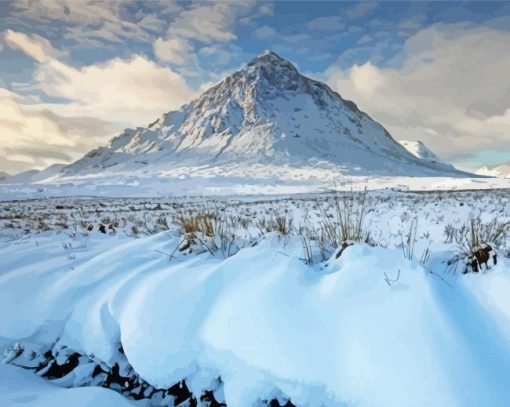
(271, 58)
(269, 55)
(266, 113)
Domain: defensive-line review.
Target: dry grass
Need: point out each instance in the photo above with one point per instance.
(473, 236)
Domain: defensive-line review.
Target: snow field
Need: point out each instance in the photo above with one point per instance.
(369, 328)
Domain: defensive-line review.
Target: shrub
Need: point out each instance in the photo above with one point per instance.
(213, 231)
(409, 240)
(477, 237)
(345, 225)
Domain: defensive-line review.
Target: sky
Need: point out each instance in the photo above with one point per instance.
(75, 73)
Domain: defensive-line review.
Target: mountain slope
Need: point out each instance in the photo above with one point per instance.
(265, 114)
(420, 150)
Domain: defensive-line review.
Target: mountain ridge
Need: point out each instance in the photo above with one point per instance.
(264, 113)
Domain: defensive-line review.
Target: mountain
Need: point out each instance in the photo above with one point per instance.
(269, 115)
(420, 150)
(34, 175)
(501, 170)
(3, 176)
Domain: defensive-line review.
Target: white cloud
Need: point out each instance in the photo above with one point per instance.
(99, 100)
(452, 89)
(329, 23)
(32, 136)
(175, 50)
(264, 32)
(134, 90)
(205, 23)
(209, 23)
(34, 46)
(366, 78)
(86, 21)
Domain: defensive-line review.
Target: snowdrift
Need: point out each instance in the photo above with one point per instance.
(18, 386)
(370, 328)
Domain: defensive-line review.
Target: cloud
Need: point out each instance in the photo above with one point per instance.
(209, 23)
(218, 56)
(43, 153)
(133, 90)
(175, 50)
(264, 32)
(34, 46)
(87, 21)
(86, 105)
(329, 23)
(205, 23)
(360, 9)
(32, 136)
(432, 95)
(75, 108)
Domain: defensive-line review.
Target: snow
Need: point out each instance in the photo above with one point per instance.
(21, 387)
(420, 150)
(263, 125)
(372, 326)
(369, 328)
(255, 179)
(266, 113)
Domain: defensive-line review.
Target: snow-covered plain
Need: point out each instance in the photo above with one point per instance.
(223, 180)
(383, 324)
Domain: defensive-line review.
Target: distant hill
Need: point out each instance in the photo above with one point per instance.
(420, 150)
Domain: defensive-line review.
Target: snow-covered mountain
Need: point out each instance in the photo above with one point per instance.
(420, 150)
(266, 114)
(501, 170)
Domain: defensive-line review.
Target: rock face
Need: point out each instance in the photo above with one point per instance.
(265, 113)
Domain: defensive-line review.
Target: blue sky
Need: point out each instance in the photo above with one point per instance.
(74, 73)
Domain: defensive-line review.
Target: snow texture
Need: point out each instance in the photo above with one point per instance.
(369, 328)
(21, 387)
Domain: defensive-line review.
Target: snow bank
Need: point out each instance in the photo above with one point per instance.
(18, 386)
(370, 328)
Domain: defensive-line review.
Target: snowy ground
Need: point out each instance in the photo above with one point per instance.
(226, 180)
(276, 317)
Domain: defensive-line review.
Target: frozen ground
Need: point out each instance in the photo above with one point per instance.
(263, 309)
(231, 180)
